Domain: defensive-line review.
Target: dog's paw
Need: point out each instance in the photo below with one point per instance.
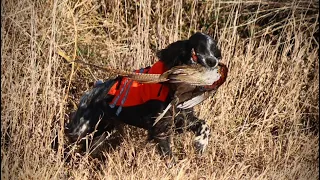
(202, 140)
(200, 144)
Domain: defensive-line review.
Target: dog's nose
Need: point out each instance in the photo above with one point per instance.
(212, 62)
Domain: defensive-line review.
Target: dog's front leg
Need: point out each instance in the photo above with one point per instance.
(201, 129)
(202, 135)
(161, 134)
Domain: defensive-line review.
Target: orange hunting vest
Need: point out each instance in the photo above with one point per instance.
(131, 93)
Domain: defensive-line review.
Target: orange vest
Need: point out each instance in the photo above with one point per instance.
(131, 93)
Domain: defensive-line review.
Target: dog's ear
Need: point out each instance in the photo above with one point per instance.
(175, 54)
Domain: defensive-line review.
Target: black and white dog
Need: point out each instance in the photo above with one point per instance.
(99, 114)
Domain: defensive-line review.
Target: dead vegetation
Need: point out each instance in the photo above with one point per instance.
(265, 117)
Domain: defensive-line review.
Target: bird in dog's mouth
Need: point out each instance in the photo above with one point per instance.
(194, 74)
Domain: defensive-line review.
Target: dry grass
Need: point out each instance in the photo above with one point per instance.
(264, 119)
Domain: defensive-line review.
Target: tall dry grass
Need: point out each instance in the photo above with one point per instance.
(264, 119)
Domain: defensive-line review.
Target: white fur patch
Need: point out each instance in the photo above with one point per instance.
(201, 141)
(84, 126)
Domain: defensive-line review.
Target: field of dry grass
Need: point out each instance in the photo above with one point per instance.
(264, 119)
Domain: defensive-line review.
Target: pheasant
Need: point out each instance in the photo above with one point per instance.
(194, 75)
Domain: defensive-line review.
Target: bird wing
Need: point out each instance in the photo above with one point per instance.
(162, 114)
(195, 100)
(185, 105)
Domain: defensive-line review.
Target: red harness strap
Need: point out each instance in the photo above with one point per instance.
(132, 93)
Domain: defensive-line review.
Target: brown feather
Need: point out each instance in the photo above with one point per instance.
(192, 75)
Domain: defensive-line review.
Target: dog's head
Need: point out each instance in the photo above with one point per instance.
(199, 48)
(204, 50)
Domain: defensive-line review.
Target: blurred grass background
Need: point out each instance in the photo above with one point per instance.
(264, 119)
